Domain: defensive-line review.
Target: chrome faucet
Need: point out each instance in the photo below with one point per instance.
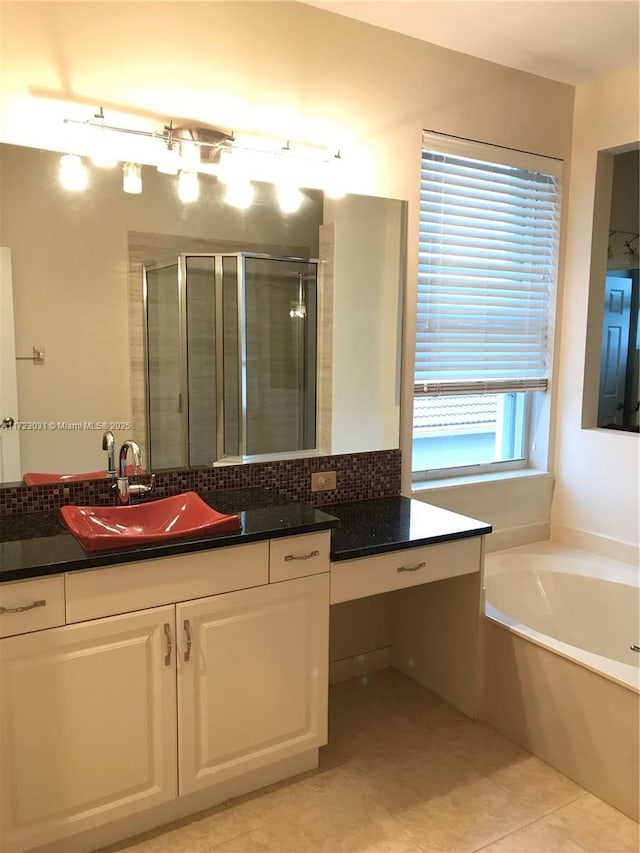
(109, 444)
(127, 490)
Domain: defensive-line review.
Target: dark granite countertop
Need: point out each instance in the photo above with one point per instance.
(35, 544)
(393, 524)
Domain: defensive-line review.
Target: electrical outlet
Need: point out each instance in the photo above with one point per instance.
(323, 481)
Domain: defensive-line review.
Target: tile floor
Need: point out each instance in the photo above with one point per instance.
(405, 772)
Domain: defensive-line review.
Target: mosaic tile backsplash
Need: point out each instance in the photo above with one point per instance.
(360, 476)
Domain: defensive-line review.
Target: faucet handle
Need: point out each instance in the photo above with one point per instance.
(141, 489)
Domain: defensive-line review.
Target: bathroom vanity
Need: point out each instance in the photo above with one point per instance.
(145, 684)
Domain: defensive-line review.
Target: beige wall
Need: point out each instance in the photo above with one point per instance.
(284, 67)
(596, 470)
(366, 321)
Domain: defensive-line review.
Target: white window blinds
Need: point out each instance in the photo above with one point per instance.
(489, 220)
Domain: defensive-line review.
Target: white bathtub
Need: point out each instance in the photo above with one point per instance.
(558, 673)
(578, 604)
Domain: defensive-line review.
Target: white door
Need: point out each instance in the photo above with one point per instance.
(252, 688)
(87, 725)
(9, 438)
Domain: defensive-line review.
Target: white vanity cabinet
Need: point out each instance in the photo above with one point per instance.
(252, 686)
(87, 725)
(396, 570)
(121, 712)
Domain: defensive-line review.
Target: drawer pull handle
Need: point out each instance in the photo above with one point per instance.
(411, 568)
(40, 603)
(301, 556)
(187, 630)
(167, 632)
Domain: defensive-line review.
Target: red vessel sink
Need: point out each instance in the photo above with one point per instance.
(98, 528)
(39, 479)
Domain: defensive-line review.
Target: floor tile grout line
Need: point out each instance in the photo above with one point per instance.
(523, 802)
(481, 775)
(530, 823)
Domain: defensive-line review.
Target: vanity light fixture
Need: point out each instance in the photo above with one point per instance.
(189, 150)
(73, 173)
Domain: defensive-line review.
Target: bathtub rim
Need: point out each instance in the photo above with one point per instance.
(619, 673)
(588, 564)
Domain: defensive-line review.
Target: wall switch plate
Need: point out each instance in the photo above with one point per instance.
(323, 481)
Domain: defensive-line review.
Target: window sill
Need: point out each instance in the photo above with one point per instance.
(420, 487)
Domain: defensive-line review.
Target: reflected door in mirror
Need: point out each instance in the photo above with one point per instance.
(619, 395)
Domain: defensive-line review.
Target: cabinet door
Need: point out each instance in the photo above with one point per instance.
(87, 725)
(253, 688)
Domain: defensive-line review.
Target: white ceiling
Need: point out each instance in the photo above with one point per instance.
(567, 40)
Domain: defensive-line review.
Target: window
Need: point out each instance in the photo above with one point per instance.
(489, 220)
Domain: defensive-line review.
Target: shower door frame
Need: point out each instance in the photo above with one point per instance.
(181, 354)
(290, 454)
(218, 278)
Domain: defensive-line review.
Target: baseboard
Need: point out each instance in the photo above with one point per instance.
(341, 670)
(626, 552)
(509, 537)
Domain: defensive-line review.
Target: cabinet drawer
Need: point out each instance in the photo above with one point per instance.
(399, 569)
(134, 586)
(299, 556)
(47, 594)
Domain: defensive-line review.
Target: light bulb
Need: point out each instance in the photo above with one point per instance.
(188, 188)
(190, 154)
(289, 197)
(334, 184)
(227, 166)
(73, 173)
(103, 154)
(169, 159)
(132, 178)
(298, 311)
(104, 159)
(286, 181)
(239, 193)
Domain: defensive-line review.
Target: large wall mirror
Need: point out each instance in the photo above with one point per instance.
(613, 345)
(136, 305)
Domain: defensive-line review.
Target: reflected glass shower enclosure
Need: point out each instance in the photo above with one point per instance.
(230, 358)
